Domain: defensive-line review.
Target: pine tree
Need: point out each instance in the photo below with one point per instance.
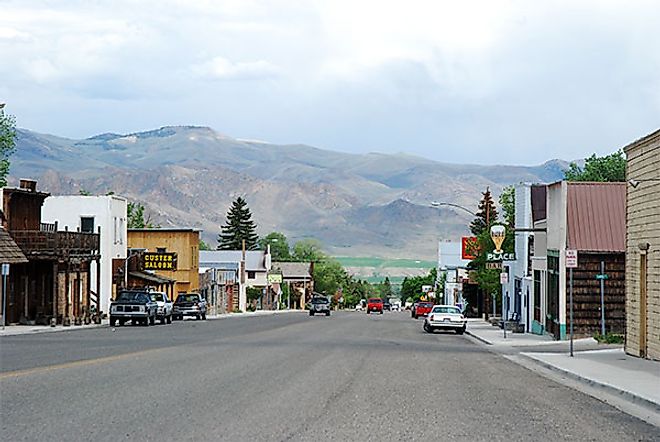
(239, 227)
(486, 215)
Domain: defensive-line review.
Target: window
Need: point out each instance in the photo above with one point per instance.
(251, 274)
(87, 224)
(161, 249)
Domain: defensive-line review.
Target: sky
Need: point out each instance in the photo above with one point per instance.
(486, 82)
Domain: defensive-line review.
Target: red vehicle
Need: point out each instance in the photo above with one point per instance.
(422, 309)
(375, 305)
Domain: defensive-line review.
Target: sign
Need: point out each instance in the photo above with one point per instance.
(602, 276)
(469, 247)
(497, 234)
(494, 265)
(495, 256)
(159, 261)
(5, 269)
(571, 259)
(504, 278)
(275, 278)
(427, 288)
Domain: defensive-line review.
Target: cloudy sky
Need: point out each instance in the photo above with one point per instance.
(458, 81)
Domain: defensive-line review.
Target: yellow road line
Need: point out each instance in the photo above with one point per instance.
(82, 363)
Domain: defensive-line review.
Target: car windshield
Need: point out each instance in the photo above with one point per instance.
(426, 304)
(451, 310)
(319, 301)
(375, 300)
(158, 297)
(187, 298)
(131, 296)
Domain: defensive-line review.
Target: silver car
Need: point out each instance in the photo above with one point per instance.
(445, 317)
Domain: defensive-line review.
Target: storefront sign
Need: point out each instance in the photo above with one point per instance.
(500, 257)
(469, 247)
(159, 261)
(571, 259)
(497, 234)
(275, 278)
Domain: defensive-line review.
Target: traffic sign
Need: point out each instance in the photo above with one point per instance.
(571, 259)
(5, 269)
(504, 278)
(602, 276)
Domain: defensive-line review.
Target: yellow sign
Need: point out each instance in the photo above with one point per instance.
(159, 261)
(497, 234)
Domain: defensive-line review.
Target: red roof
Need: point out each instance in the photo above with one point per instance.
(596, 216)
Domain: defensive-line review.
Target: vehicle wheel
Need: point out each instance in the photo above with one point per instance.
(368, 312)
(112, 321)
(414, 316)
(169, 319)
(327, 313)
(204, 316)
(122, 322)
(162, 320)
(152, 320)
(428, 329)
(311, 313)
(460, 331)
(381, 312)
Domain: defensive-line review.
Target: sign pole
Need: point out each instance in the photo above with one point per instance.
(503, 312)
(571, 307)
(571, 258)
(602, 298)
(5, 273)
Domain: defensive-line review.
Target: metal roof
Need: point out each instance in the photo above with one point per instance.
(300, 270)
(254, 259)
(596, 216)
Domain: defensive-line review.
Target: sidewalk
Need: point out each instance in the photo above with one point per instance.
(636, 379)
(488, 334)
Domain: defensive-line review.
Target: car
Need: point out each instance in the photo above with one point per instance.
(386, 305)
(375, 305)
(165, 307)
(135, 306)
(319, 304)
(421, 309)
(445, 317)
(189, 304)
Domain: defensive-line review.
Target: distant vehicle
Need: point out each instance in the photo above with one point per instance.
(189, 304)
(135, 306)
(361, 305)
(447, 317)
(319, 304)
(396, 305)
(165, 307)
(375, 305)
(386, 305)
(421, 309)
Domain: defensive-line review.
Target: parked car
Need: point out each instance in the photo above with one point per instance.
(447, 317)
(361, 305)
(135, 306)
(386, 305)
(189, 304)
(165, 307)
(319, 304)
(421, 309)
(375, 305)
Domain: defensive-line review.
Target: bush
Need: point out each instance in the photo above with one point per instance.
(609, 338)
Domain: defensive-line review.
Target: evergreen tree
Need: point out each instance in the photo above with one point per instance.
(7, 143)
(239, 227)
(486, 215)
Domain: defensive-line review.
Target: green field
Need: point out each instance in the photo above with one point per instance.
(377, 263)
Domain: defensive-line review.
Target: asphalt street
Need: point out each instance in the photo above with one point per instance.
(350, 376)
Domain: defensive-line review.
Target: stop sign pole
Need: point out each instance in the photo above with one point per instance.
(571, 263)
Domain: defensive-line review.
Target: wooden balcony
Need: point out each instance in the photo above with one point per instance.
(49, 244)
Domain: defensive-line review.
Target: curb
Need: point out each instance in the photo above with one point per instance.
(48, 329)
(478, 338)
(632, 397)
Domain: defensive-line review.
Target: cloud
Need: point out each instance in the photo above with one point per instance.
(220, 68)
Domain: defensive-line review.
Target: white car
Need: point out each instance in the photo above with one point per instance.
(165, 306)
(447, 317)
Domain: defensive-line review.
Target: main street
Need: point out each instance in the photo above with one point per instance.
(289, 376)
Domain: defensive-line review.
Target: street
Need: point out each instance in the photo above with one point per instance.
(350, 376)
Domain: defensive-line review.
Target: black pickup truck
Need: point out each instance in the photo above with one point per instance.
(134, 305)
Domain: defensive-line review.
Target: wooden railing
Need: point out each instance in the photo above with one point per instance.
(37, 242)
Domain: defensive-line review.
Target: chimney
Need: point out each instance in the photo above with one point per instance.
(30, 185)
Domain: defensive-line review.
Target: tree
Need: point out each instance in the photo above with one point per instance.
(412, 287)
(203, 245)
(508, 205)
(610, 168)
(279, 246)
(385, 288)
(7, 143)
(238, 228)
(135, 216)
(308, 250)
(486, 215)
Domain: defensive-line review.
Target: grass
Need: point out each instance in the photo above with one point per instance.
(609, 338)
(347, 261)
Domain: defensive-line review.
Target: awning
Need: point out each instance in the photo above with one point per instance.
(10, 253)
(152, 277)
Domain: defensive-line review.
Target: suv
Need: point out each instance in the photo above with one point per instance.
(386, 305)
(165, 306)
(189, 304)
(421, 309)
(375, 305)
(319, 304)
(135, 306)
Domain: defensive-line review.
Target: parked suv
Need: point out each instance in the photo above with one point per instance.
(375, 305)
(135, 306)
(189, 304)
(165, 307)
(319, 304)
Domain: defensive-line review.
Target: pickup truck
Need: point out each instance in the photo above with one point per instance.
(135, 306)
(375, 305)
(189, 304)
(165, 306)
(421, 309)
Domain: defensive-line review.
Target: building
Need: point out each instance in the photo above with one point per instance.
(10, 254)
(453, 267)
(54, 285)
(184, 242)
(253, 267)
(298, 277)
(105, 215)
(643, 247)
(590, 218)
(219, 286)
(538, 257)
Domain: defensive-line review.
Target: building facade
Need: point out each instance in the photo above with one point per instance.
(105, 215)
(643, 247)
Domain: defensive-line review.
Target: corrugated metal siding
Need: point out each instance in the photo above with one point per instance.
(596, 217)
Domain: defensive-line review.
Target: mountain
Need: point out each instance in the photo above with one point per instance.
(357, 205)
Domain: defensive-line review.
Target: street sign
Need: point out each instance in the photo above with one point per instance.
(602, 276)
(571, 259)
(504, 278)
(427, 288)
(5, 269)
(275, 278)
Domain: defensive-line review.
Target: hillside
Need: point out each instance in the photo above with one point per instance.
(357, 205)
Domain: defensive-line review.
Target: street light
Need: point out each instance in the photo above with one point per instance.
(438, 204)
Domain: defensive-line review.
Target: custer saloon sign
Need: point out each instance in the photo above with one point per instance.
(159, 261)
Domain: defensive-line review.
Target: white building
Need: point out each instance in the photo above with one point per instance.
(104, 214)
(454, 268)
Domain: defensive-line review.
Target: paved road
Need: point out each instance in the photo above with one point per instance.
(287, 377)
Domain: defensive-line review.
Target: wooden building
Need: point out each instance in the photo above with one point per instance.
(53, 286)
(643, 247)
(182, 241)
